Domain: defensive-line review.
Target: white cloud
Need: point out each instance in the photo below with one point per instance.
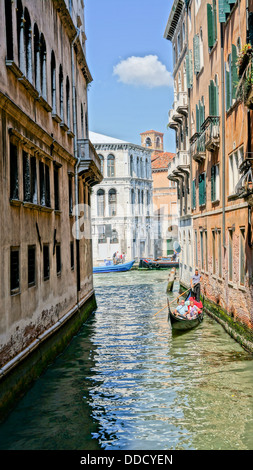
(143, 71)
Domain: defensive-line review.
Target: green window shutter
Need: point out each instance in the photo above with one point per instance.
(204, 188)
(227, 84)
(212, 99)
(210, 26)
(200, 190)
(189, 75)
(190, 67)
(213, 183)
(224, 8)
(197, 119)
(234, 78)
(214, 20)
(194, 194)
(196, 49)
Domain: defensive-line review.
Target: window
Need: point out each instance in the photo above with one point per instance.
(112, 202)
(101, 203)
(43, 67)
(46, 263)
(214, 251)
(230, 255)
(9, 31)
(110, 166)
(212, 24)
(61, 91)
(194, 194)
(56, 188)
(31, 265)
(44, 185)
(102, 163)
(206, 251)
(202, 250)
(36, 57)
(242, 256)
(132, 200)
(178, 44)
(13, 171)
(72, 259)
(14, 270)
(68, 101)
(114, 237)
(101, 234)
(202, 189)
(200, 114)
(70, 193)
(214, 98)
(233, 172)
(231, 77)
(131, 166)
(219, 255)
(196, 248)
(146, 175)
(196, 53)
(215, 183)
(58, 259)
(138, 167)
(53, 83)
(29, 178)
(148, 142)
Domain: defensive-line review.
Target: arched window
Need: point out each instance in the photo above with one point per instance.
(131, 166)
(100, 203)
(112, 199)
(132, 200)
(114, 237)
(138, 167)
(20, 35)
(67, 101)
(8, 28)
(43, 67)
(53, 82)
(142, 201)
(110, 166)
(102, 163)
(61, 92)
(36, 37)
(82, 121)
(148, 142)
(146, 168)
(28, 45)
(141, 168)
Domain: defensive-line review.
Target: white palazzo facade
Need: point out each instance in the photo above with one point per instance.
(122, 208)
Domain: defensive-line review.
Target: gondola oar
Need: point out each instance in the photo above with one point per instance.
(171, 302)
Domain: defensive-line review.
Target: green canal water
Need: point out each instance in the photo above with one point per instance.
(126, 383)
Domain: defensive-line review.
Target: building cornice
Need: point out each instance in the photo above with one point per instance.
(174, 17)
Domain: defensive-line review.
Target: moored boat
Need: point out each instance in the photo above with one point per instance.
(179, 323)
(110, 267)
(158, 263)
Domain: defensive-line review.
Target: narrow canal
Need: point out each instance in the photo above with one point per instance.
(126, 383)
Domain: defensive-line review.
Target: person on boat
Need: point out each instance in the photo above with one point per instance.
(193, 310)
(182, 309)
(195, 284)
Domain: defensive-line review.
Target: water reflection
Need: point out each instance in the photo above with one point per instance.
(126, 383)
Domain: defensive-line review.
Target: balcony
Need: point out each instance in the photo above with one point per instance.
(180, 164)
(244, 187)
(172, 124)
(197, 147)
(90, 164)
(182, 103)
(211, 129)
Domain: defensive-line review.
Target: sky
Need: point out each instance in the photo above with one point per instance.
(131, 65)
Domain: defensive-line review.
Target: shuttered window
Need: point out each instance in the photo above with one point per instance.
(225, 6)
(200, 114)
(14, 270)
(202, 189)
(194, 194)
(196, 50)
(215, 183)
(211, 24)
(231, 77)
(189, 70)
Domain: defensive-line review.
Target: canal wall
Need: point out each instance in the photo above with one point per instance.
(18, 374)
(237, 330)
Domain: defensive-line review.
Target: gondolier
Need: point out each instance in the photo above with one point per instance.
(195, 284)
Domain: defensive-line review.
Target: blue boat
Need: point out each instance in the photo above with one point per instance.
(111, 268)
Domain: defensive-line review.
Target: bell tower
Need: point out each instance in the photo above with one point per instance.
(152, 140)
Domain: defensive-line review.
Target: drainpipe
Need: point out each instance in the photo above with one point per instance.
(77, 159)
(223, 137)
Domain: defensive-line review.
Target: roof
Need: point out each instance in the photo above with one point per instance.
(96, 138)
(160, 161)
(151, 132)
(173, 19)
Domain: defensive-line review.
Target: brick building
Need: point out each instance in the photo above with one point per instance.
(219, 147)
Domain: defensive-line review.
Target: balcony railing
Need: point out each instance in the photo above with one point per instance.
(179, 164)
(182, 103)
(244, 187)
(90, 162)
(197, 147)
(211, 128)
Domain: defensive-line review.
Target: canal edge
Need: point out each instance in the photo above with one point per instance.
(235, 329)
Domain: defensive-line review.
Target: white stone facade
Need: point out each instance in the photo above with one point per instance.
(122, 206)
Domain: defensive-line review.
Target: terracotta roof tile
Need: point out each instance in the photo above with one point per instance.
(161, 160)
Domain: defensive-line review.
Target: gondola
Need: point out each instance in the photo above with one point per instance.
(183, 324)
